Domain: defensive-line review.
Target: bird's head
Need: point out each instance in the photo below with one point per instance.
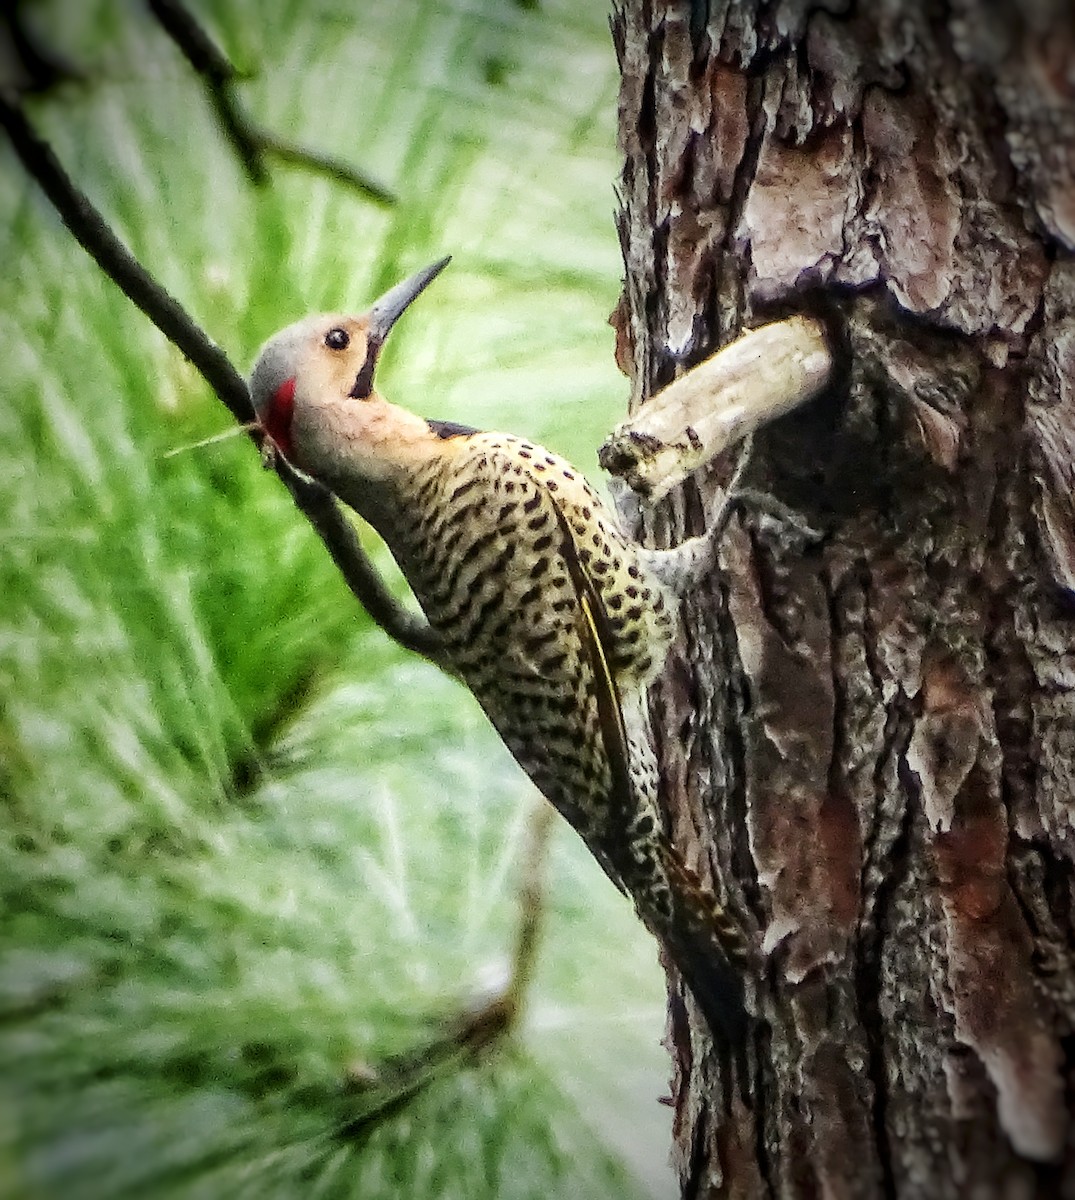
(312, 384)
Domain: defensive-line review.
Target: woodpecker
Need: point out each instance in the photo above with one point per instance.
(553, 619)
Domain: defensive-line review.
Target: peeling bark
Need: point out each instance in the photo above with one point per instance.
(869, 741)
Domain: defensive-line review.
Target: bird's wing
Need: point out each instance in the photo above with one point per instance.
(507, 582)
(596, 637)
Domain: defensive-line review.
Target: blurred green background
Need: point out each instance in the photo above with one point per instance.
(249, 846)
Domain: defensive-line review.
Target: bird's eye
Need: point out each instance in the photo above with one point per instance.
(337, 339)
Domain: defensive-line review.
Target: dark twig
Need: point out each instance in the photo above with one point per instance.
(531, 903)
(384, 1091)
(42, 67)
(93, 234)
(324, 164)
(251, 142)
(319, 507)
(199, 49)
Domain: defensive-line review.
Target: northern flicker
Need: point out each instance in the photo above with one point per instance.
(544, 609)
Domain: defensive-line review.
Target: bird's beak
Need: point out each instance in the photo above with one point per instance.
(391, 306)
(384, 314)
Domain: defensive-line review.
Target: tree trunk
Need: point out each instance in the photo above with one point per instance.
(868, 738)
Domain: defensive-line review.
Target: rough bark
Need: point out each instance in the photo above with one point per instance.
(869, 740)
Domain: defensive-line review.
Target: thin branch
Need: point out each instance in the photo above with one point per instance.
(324, 164)
(384, 1091)
(43, 67)
(531, 903)
(199, 49)
(250, 141)
(94, 235)
(319, 507)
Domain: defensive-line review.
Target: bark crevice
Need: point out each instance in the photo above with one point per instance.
(882, 753)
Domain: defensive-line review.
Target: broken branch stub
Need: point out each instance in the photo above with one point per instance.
(751, 381)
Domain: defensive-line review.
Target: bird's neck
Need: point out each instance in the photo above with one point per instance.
(379, 466)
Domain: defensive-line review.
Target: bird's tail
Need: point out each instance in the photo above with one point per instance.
(707, 948)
